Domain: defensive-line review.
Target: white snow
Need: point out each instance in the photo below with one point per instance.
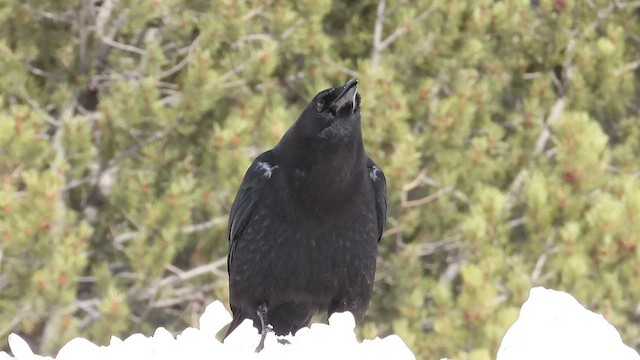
(336, 340)
(554, 325)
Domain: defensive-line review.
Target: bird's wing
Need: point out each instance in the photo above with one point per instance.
(380, 190)
(252, 187)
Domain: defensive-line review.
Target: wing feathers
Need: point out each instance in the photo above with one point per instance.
(258, 174)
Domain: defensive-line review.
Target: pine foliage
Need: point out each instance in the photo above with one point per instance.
(509, 132)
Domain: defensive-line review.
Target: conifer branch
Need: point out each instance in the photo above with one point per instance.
(628, 67)
(542, 260)
(123, 47)
(205, 225)
(379, 44)
(377, 34)
(182, 63)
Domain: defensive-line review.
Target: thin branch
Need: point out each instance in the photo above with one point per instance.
(542, 260)
(125, 237)
(191, 229)
(401, 30)
(378, 43)
(123, 47)
(516, 222)
(57, 168)
(11, 325)
(446, 244)
(133, 149)
(341, 68)
(421, 180)
(39, 72)
(83, 36)
(205, 225)
(177, 67)
(210, 268)
(425, 200)
(629, 67)
(75, 183)
(65, 18)
(89, 306)
(544, 136)
(50, 119)
(239, 68)
(106, 8)
(258, 11)
(377, 34)
(398, 229)
(292, 28)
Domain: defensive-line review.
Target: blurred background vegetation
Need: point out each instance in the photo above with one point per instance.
(509, 132)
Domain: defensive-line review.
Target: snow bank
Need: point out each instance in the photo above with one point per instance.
(336, 340)
(553, 325)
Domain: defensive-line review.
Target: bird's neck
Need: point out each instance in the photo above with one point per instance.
(326, 169)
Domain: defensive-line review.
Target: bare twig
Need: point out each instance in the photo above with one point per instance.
(629, 67)
(39, 72)
(341, 68)
(75, 183)
(258, 11)
(516, 222)
(452, 270)
(205, 225)
(83, 36)
(378, 43)
(446, 244)
(210, 268)
(403, 29)
(377, 34)
(393, 231)
(425, 200)
(124, 237)
(292, 28)
(191, 229)
(236, 70)
(542, 260)
(103, 15)
(554, 114)
(34, 104)
(123, 47)
(133, 149)
(89, 306)
(11, 325)
(177, 67)
(421, 180)
(65, 18)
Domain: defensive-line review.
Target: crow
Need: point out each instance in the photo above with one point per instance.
(305, 224)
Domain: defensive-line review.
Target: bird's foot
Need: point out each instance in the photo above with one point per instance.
(284, 341)
(263, 336)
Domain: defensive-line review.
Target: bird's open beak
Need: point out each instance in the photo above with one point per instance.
(347, 96)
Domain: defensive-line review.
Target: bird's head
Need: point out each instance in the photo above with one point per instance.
(333, 113)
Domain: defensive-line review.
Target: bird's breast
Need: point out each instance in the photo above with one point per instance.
(324, 242)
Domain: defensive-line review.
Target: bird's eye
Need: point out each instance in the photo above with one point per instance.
(320, 104)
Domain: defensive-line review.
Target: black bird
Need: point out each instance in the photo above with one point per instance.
(306, 222)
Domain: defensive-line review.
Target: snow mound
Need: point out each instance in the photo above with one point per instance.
(554, 325)
(335, 340)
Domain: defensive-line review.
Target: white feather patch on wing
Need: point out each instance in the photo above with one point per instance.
(267, 168)
(373, 173)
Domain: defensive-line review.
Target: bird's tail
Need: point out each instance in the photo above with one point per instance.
(237, 320)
